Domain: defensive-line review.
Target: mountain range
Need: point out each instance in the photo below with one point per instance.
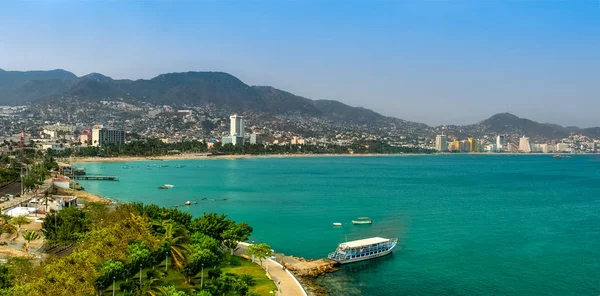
(228, 92)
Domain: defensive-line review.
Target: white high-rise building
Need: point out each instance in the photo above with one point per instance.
(441, 143)
(500, 143)
(237, 125)
(236, 131)
(524, 145)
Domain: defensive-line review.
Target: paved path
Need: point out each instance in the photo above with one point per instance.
(285, 281)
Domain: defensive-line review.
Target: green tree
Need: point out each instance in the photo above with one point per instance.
(198, 257)
(172, 291)
(260, 251)
(66, 226)
(236, 234)
(227, 283)
(205, 242)
(109, 270)
(138, 253)
(6, 277)
(212, 224)
(30, 236)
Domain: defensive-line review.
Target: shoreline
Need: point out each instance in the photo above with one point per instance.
(252, 156)
(214, 157)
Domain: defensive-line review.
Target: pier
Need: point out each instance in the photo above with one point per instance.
(98, 178)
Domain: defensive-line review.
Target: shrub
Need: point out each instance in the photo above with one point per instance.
(214, 273)
(248, 279)
(151, 274)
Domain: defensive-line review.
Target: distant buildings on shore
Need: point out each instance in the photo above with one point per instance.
(442, 144)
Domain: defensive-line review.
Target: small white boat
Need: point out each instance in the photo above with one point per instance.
(187, 203)
(337, 224)
(169, 186)
(362, 220)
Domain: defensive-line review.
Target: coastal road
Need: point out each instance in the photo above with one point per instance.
(285, 281)
(26, 197)
(14, 189)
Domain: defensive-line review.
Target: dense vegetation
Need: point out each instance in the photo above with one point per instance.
(154, 147)
(35, 165)
(140, 249)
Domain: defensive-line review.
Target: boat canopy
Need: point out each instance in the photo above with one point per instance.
(364, 242)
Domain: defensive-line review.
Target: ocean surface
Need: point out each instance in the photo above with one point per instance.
(467, 224)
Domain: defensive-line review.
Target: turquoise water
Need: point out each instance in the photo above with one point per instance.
(468, 225)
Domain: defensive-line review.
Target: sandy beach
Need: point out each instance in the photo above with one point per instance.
(212, 157)
(85, 196)
(242, 156)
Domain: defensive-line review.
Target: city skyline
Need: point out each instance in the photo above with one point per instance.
(398, 59)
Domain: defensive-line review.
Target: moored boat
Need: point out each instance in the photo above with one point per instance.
(363, 249)
(337, 224)
(187, 203)
(362, 220)
(169, 186)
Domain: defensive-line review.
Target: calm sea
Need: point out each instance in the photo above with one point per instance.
(468, 225)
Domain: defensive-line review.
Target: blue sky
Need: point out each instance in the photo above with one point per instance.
(437, 62)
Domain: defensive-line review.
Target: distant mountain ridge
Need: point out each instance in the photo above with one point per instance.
(176, 89)
(510, 124)
(226, 91)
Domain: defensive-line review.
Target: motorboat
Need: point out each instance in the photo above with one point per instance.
(337, 224)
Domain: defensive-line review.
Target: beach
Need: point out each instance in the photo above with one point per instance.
(205, 157)
(247, 156)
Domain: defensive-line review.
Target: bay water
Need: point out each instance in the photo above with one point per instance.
(467, 224)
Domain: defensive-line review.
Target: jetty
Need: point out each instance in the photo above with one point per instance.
(96, 177)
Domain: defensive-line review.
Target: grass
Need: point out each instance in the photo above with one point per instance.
(263, 284)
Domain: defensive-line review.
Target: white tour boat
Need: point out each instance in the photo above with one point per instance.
(363, 249)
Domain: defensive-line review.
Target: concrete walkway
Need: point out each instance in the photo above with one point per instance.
(284, 279)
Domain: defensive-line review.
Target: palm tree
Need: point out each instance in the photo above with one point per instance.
(30, 236)
(154, 288)
(176, 239)
(5, 225)
(20, 220)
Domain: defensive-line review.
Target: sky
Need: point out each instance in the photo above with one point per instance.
(437, 62)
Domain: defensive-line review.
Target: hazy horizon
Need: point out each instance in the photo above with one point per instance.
(433, 62)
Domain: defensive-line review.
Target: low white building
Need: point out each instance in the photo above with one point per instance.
(55, 147)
